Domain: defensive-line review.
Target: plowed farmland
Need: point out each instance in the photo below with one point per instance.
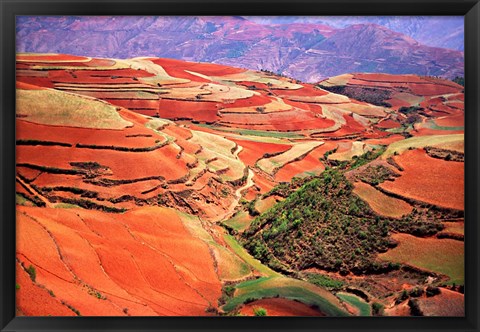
(160, 187)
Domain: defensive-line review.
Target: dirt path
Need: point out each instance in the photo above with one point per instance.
(34, 192)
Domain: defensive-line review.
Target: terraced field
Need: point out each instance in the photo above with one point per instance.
(443, 256)
(125, 167)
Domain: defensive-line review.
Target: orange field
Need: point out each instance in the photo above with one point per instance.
(429, 180)
(311, 163)
(381, 203)
(176, 109)
(451, 121)
(182, 151)
(447, 303)
(280, 307)
(101, 264)
(253, 151)
(203, 68)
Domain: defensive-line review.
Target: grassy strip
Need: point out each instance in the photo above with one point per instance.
(420, 142)
(433, 125)
(365, 309)
(291, 289)
(261, 133)
(239, 221)
(243, 254)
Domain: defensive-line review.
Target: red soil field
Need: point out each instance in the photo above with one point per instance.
(202, 68)
(304, 106)
(260, 86)
(429, 180)
(32, 300)
(199, 111)
(294, 120)
(134, 104)
(134, 137)
(280, 307)
(385, 141)
(28, 173)
(178, 132)
(307, 90)
(253, 151)
(428, 132)
(444, 82)
(178, 71)
(397, 103)
(389, 78)
(264, 184)
(43, 82)
(447, 303)
(459, 105)
(451, 121)
(255, 100)
(350, 128)
(387, 124)
(386, 85)
(124, 165)
(30, 73)
(26, 86)
(120, 257)
(107, 73)
(431, 89)
(61, 180)
(310, 163)
(68, 79)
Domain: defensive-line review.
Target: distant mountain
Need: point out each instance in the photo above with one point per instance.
(436, 31)
(305, 51)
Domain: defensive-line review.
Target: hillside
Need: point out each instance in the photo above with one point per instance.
(305, 192)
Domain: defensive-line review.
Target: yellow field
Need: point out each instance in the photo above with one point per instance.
(66, 109)
(299, 150)
(454, 141)
(443, 256)
(380, 203)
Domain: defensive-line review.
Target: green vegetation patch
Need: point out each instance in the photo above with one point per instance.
(288, 288)
(324, 281)
(243, 254)
(322, 224)
(251, 132)
(239, 222)
(363, 307)
(367, 157)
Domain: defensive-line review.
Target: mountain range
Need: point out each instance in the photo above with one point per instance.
(438, 31)
(303, 50)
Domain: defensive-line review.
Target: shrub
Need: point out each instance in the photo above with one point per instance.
(432, 291)
(324, 281)
(416, 292)
(377, 309)
(414, 307)
(259, 311)
(32, 272)
(403, 296)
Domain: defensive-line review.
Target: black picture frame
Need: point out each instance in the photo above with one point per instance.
(10, 8)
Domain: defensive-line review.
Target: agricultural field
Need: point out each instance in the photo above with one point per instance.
(162, 187)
